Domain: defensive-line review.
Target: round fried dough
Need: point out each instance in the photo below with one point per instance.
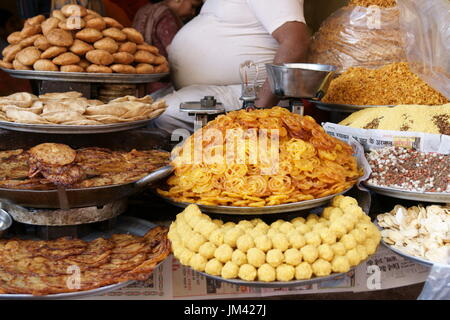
(35, 20)
(89, 35)
(162, 68)
(45, 65)
(123, 57)
(28, 56)
(41, 43)
(10, 52)
(19, 66)
(144, 68)
(95, 68)
(114, 33)
(72, 23)
(15, 37)
(133, 35)
(29, 41)
(96, 23)
(59, 15)
(59, 37)
(84, 63)
(73, 10)
(53, 154)
(159, 59)
(30, 30)
(100, 57)
(112, 23)
(53, 52)
(106, 44)
(49, 24)
(6, 65)
(66, 58)
(129, 47)
(72, 68)
(123, 68)
(149, 48)
(80, 47)
(143, 56)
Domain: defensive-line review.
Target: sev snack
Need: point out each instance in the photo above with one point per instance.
(301, 162)
(380, 3)
(392, 84)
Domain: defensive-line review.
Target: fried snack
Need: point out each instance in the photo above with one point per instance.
(28, 56)
(133, 35)
(95, 68)
(15, 37)
(73, 10)
(129, 47)
(66, 59)
(6, 65)
(23, 116)
(379, 3)
(106, 44)
(162, 68)
(60, 95)
(53, 153)
(72, 68)
(45, 65)
(30, 30)
(49, 24)
(35, 20)
(29, 41)
(147, 47)
(100, 57)
(19, 66)
(41, 43)
(89, 35)
(96, 23)
(9, 53)
(123, 68)
(305, 164)
(53, 52)
(59, 15)
(115, 34)
(59, 37)
(144, 68)
(84, 63)
(80, 47)
(123, 57)
(143, 56)
(72, 23)
(112, 23)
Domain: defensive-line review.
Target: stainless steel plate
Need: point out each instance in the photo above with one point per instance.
(85, 76)
(439, 197)
(5, 221)
(124, 224)
(348, 108)
(281, 208)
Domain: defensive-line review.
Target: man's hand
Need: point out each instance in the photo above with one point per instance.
(294, 38)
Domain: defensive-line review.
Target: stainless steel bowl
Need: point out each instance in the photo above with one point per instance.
(300, 80)
(5, 221)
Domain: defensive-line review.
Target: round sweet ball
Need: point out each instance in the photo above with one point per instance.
(214, 267)
(262, 226)
(256, 257)
(230, 270)
(338, 228)
(362, 252)
(228, 225)
(303, 271)
(255, 232)
(325, 252)
(347, 201)
(321, 268)
(198, 262)
(336, 201)
(207, 250)
(239, 257)
(326, 212)
(313, 238)
(280, 241)
(319, 227)
(348, 241)
(232, 235)
(185, 256)
(275, 257)
(245, 224)
(358, 235)
(263, 243)
(216, 237)
(339, 249)
(218, 222)
(312, 216)
(247, 272)
(327, 236)
(266, 273)
(349, 224)
(296, 240)
(355, 211)
(195, 242)
(353, 257)
(298, 221)
(340, 264)
(245, 242)
(276, 225)
(292, 257)
(285, 272)
(286, 227)
(223, 253)
(335, 213)
(309, 253)
(303, 228)
(371, 246)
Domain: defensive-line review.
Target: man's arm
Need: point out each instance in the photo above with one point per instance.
(294, 38)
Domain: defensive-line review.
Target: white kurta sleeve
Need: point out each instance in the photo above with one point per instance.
(274, 13)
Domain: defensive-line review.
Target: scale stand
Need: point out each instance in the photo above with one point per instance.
(203, 111)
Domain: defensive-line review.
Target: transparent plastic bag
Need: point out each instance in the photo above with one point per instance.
(426, 29)
(356, 36)
(437, 286)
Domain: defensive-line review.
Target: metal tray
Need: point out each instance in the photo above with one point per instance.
(336, 107)
(280, 208)
(85, 76)
(439, 197)
(124, 224)
(5, 221)
(76, 129)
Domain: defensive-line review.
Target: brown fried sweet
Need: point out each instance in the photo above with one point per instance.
(53, 153)
(29, 41)
(6, 65)
(9, 53)
(53, 52)
(30, 30)
(80, 47)
(143, 56)
(89, 35)
(15, 37)
(123, 68)
(95, 68)
(123, 57)
(45, 65)
(115, 33)
(100, 57)
(19, 66)
(35, 20)
(59, 15)
(159, 59)
(112, 23)
(96, 23)
(28, 56)
(129, 47)
(49, 24)
(162, 68)
(72, 23)
(41, 43)
(66, 58)
(84, 63)
(149, 48)
(59, 37)
(133, 35)
(73, 10)
(144, 68)
(107, 44)
(72, 68)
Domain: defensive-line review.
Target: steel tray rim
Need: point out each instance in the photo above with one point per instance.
(439, 197)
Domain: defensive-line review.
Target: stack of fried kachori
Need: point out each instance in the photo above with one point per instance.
(75, 39)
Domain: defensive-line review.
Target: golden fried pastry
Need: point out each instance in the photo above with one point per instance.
(123, 57)
(28, 56)
(66, 58)
(123, 68)
(80, 47)
(29, 41)
(60, 95)
(19, 66)
(59, 15)
(162, 68)
(15, 37)
(41, 43)
(59, 37)
(53, 153)
(53, 52)
(143, 56)
(133, 35)
(72, 23)
(107, 44)
(10, 52)
(84, 63)
(100, 57)
(30, 30)
(95, 68)
(112, 23)
(129, 47)
(144, 68)
(149, 48)
(73, 10)
(115, 33)
(45, 65)
(96, 23)
(49, 24)
(72, 68)
(89, 35)
(6, 65)
(24, 116)
(160, 60)
(35, 20)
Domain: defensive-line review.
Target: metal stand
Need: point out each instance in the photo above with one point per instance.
(203, 111)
